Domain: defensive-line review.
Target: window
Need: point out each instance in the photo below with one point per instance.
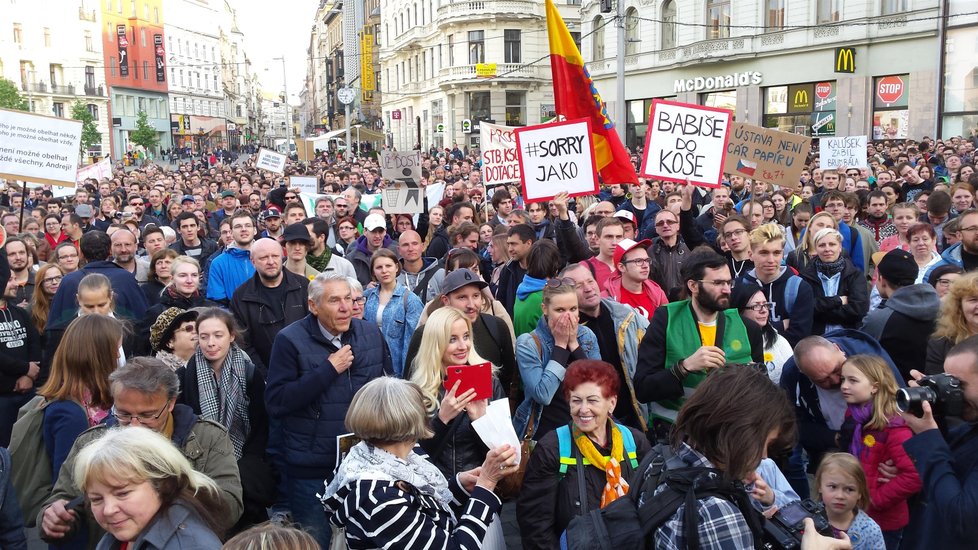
(775, 14)
(132, 7)
(156, 15)
(597, 39)
(198, 79)
(111, 66)
(451, 50)
(828, 11)
(110, 32)
(477, 47)
(89, 45)
(718, 19)
(146, 11)
(668, 24)
(93, 110)
(47, 37)
(216, 88)
(54, 71)
(145, 70)
(890, 113)
(173, 75)
(960, 83)
(515, 108)
(576, 37)
(142, 36)
(893, 7)
(632, 39)
(58, 109)
(89, 77)
(807, 109)
(181, 77)
(237, 111)
(18, 34)
(480, 106)
(512, 42)
(141, 105)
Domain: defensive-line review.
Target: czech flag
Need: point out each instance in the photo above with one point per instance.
(745, 166)
(576, 97)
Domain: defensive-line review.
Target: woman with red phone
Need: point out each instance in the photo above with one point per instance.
(447, 346)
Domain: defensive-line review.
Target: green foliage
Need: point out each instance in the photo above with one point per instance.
(10, 97)
(144, 134)
(90, 134)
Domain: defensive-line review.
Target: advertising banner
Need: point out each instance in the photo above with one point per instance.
(123, 41)
(160, 58)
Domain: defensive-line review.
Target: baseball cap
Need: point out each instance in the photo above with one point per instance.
(626, 216)
(627, 245)
(187, 198)
(459, 278)
(84, 211)
(373, 222)
(271, 212)
(897, 267)
(228, 193)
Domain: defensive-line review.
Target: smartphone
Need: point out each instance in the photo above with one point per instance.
(471, 376)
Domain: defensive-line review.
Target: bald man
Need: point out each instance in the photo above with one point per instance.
(419, 274)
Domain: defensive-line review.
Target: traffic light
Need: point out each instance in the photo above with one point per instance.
(606, 6)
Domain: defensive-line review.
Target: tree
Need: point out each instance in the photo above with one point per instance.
(10, 97)
(144, 134)
(90, 134)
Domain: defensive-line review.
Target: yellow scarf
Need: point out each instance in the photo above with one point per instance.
(616, 486)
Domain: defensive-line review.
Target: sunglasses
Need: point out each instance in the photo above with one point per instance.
(558, 283)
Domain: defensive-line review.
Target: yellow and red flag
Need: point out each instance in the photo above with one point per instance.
(576, 97)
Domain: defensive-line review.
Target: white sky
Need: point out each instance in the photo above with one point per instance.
(273, 30)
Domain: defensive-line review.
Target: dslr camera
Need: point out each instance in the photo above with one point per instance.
(784, 530)
(942, 391)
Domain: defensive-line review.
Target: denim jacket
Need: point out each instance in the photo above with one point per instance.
(400, 319)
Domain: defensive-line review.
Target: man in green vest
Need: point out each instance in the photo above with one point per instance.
(689, 339)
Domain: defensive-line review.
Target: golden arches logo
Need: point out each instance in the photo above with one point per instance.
(845, 60)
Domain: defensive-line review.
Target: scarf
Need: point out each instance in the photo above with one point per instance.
(860, 415)
(171, 360)
(831, 268)
(364, 461)
(172, 293)
(615, 486)
(225, 400)
(321, 262)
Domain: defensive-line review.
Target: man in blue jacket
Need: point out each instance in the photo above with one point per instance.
(233, 267)
(317, 364)
(812, 379)
(948, 467)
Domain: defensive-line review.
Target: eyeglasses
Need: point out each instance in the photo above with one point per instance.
(360, 301)
(188, 328)
(970, 229)
(736, 233)
(944, 282)
(347, 228)
(728, 283)
(665, 223)
(639, 261)
(243, 226)
(136, 203)
(52, 280)
(557, 283)
(290, 197)
(125, 418)
(766, 306)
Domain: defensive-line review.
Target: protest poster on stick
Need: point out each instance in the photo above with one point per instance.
(39, 148)
(403, 198)
(766, 155)
(401, 166)
(99, 170)
(686, 142)
(271, 161)
(499, 160)
(305, 184)
(556, 157)
(839, 152)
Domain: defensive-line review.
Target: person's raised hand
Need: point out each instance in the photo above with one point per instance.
(922, 423)
(57, 520)
(813, 540)
(341, 359)
(705, 358)
(452, 404)
(499, 463)
(560, 201)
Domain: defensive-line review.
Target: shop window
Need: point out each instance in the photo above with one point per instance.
(515, 108)
(724, 99)
(891, 114)
(807, 109)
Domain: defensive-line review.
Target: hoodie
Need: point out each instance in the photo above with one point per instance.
(903, 325)
(526, 309)
(19, 341)
(796, 308)
(426, 284)
(227, 272)
(358, 254)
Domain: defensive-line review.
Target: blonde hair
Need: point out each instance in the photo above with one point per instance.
(848, 465)
(874, 368)
(768, 232)
(427, 370)
(270, 536)
(388, 410)
(808, 243)
(827, 232)
(951, 323)
(179, 260)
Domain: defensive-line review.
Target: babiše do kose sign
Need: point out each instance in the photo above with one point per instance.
(684, 159)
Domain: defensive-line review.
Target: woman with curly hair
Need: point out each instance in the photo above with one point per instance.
(958, 321)
(46, 283)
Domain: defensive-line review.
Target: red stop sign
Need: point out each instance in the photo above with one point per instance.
(890, 89)
(823, 90)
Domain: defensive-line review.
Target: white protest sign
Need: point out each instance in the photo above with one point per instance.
(271, 161)
(305, 184)
(99, 170)
(403, 198)
(499, 159)
(38, 148)
(686, 142)
(400, 165)
(838, 152)
(556, 157)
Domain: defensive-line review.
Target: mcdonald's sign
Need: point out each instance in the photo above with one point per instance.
(800, 98)
(845, 60)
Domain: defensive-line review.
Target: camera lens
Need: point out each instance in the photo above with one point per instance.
(909, 399)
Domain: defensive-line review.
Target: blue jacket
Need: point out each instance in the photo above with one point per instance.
(400, 318)
(309, 398)
(12, 534)
(227, 272)
(813, 433)
(949, 472)
(64, 421)
(130, 300)
(951, 256)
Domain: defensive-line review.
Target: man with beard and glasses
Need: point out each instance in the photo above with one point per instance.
(688, 339)
(124, 254)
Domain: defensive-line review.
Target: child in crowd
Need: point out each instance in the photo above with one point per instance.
(874, 432)
(841, 486)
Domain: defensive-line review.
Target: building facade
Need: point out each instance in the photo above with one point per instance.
(54, 56)
(820, 68)
(446, 66)
(959, 99)
(242, 101)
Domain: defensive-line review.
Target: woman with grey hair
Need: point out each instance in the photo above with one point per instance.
(841, 294)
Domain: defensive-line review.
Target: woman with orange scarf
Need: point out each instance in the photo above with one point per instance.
(580, 467)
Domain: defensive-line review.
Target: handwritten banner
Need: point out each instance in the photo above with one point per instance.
(39, 148)
(403, 198)
(271, 161)
(839, 152)
(556, 157)
(401, 165)
(766, 155)
(686, 142)
(499, 159)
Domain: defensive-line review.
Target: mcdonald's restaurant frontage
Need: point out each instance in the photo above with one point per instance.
(883, 90)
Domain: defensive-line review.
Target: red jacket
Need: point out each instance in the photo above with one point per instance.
(53, 242)
(888, 501)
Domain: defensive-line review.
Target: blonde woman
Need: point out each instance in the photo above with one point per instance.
(145, 493)
(839, 287)
(804, 252)
(958, 321)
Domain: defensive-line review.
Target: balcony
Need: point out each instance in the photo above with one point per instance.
(37, 87)
(61, 89)
(86, 15)
(505, 72)
(95, 91)
(475, 10)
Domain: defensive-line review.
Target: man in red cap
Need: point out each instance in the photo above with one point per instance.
(630, 285)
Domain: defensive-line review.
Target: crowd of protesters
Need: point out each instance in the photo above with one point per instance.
(245, 328)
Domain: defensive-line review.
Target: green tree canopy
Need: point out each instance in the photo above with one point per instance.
(10, 97)
(144, 134)
(90, 134)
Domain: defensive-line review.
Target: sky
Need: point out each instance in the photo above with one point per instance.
(273, 30)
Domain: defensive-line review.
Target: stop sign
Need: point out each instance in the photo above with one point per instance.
(823, 90)
(890, 89)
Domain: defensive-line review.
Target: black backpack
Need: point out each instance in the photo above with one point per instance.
(628, 521)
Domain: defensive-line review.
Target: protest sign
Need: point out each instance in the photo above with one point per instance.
(556, 157)
(306, 149)
(766, 155)
(401, 165)
(99, 170)
(305, 184)
(271, 161)
(499, 160)
(839, 152)
(370, 201)
(403, 198)
(39, 148)
(686, 142)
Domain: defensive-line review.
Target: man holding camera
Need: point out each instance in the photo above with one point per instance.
(948, 468)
